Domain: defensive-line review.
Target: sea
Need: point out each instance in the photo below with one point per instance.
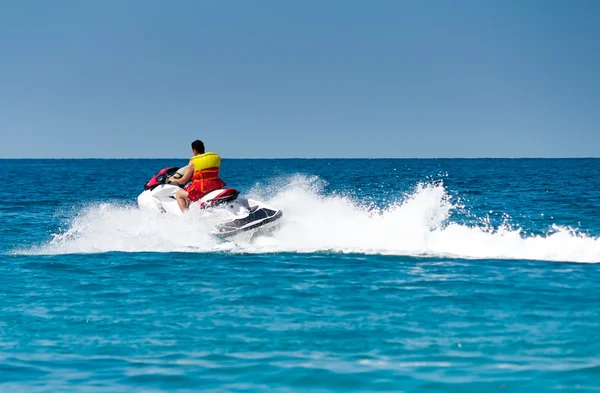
(384, 275)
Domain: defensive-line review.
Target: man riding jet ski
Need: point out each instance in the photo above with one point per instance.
(203, 170)
(164, 193)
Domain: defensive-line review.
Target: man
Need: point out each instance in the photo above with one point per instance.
(203, 169)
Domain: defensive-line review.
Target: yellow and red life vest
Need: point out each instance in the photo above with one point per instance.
(206, 174)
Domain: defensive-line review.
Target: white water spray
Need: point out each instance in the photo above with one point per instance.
(417, 226)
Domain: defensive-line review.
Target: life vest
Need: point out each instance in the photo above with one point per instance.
(206, 174)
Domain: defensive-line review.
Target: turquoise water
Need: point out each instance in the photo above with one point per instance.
(385, 275)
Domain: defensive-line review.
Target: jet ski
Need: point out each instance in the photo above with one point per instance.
(244, 214)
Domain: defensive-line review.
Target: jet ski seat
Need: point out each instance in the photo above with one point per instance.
(226, 195)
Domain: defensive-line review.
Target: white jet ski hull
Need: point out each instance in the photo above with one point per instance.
(243, 215)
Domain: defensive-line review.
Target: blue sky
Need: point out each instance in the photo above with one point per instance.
(446, 78)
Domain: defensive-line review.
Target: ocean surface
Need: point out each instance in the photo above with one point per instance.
(442, 275)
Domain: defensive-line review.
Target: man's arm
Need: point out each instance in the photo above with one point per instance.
(186, 175)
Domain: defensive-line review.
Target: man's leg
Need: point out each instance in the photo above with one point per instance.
(182, 199)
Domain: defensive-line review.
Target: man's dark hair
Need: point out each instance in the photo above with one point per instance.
(198, 145)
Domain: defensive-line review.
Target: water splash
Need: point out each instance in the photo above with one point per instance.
(419, 224)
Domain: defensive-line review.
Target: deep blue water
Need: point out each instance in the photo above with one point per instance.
(385, 275)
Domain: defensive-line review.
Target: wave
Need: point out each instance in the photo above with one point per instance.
(419, 224)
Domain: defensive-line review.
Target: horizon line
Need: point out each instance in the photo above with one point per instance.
(308, 158)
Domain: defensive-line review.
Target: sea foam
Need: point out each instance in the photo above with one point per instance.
(419, 224)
